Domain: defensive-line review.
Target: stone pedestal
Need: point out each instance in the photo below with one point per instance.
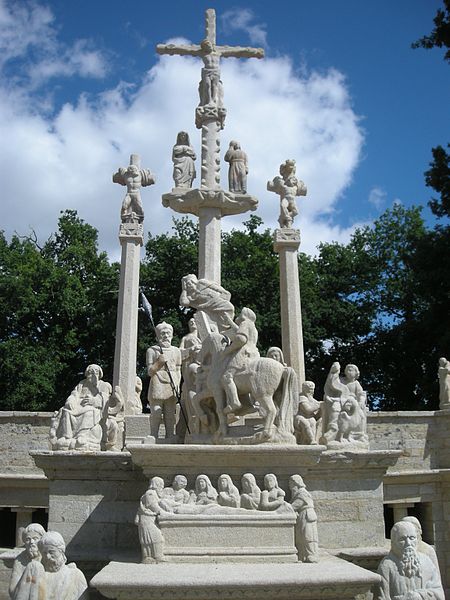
(131, 240)
(286, 244)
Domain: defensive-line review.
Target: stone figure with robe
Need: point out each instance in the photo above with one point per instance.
(31, 536)
(209, 297)
(150, 536)
(238, 170)
(183, 157)
(78, 425)
(444, 383)
(306, 538)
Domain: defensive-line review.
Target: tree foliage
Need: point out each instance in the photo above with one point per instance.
(440, 36)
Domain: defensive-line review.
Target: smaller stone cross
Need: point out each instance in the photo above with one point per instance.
(134, 178)
(287, 187)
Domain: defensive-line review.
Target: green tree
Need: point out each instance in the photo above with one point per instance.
(440, 36)
(58, 314)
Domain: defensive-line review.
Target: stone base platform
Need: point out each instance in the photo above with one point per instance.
(331, 578)
(255, 536)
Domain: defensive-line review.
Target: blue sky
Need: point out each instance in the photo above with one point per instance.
(340, 90)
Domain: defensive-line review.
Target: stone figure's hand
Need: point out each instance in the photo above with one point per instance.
(86, 401)
(161, 360)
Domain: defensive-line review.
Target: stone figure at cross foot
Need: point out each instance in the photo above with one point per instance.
(18, 585)
(133, 178)
(306, 537)
(163, 364)
(190, 346)
(422, 546)
(79, 424)
(238, 170)
(288, 186)
(52, 578)
(183, 157)
(406, 573)
(444, 383)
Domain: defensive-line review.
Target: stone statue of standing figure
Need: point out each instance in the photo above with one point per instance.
(287, 187)
(306, 538)
(238, 170)
(183, 157)
(444, 383)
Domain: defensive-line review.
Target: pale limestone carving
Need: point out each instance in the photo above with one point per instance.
(422, 546)
(133, 178)
(262, 383)
(190, 347)
(272, 496)
(308, 415)
(344, 409)
(79, 424)
(30, 537)
(277, 354)
(209, 297)
(228, 492)
(150, 536)
(164, 368)
(406, 573)
(251, 493)
(238, 170)
(183, 157)
(52, 578)
(306, 537)
(241, 353)
(205, 492)
(176, 495)
(444, 383)
(287, 187)
(114, 424)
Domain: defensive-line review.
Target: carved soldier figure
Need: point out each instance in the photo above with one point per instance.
(133, 178)
(163, 367)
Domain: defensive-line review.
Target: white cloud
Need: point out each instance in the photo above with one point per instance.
(27, 32)
(65, 159)
(377, 197)
(239, 19)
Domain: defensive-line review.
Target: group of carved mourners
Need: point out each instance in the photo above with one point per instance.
(159, 501)
(40, 571)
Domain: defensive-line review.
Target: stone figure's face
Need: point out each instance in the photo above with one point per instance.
(31, 540)
(404, 537)
(275, 354)
(165, 337)
(202, 485)
(350, 372)
(223, 484)
(192, 325)
(308, 388)
(52, 558)
(93, 375)
(133, 170)
(246, 485)
(190, 286)
(179, 483)
(270, 482)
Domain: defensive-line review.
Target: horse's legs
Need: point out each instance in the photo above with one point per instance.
(271, 413)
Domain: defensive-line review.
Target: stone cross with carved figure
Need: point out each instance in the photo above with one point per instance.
(131, 238)
(210, 202)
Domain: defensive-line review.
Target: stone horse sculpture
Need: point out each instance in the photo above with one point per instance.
(265, 385)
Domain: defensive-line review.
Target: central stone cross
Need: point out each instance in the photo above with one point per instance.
(209, 202)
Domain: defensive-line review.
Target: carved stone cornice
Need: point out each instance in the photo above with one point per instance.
(131, 232)
(191, 201)
(286, 238)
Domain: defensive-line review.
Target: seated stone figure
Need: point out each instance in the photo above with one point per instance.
(150, 536)
(52, 579)
(305, 422)
(30, 537)
(78, 424)
(228, 492)
(251, 493)
(205, 492)
(306, 538)
(406, 573)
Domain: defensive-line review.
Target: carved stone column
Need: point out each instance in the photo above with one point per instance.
(131, 240)
(286, 244)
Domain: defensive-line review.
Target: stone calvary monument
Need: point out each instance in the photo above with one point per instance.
(260, 490)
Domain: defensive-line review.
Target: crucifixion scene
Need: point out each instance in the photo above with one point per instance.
(234, 415)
